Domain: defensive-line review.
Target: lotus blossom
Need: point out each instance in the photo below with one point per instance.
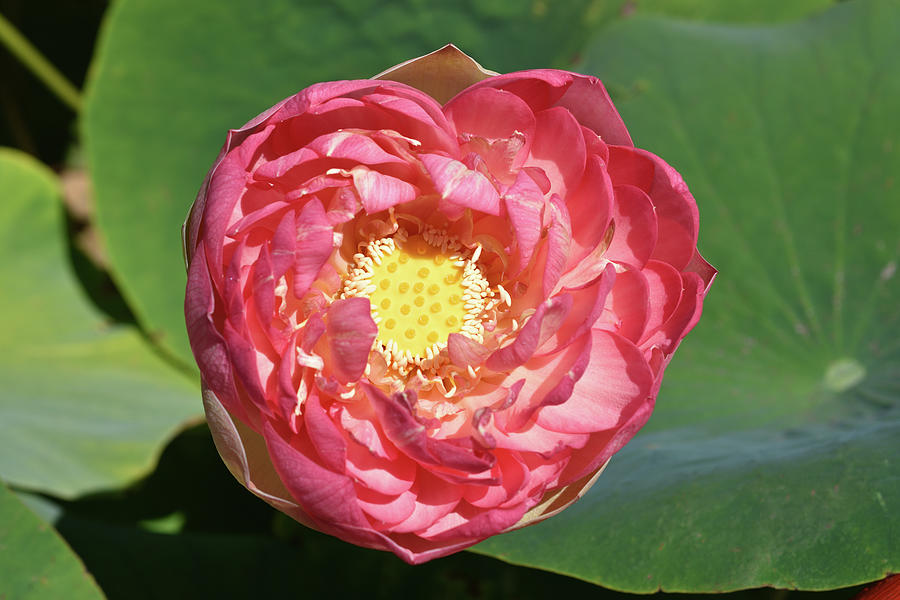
(428, 307)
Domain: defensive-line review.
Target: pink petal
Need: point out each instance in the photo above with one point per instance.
(359, 420)
(313, 247)
(590, 210)
(628, 167)
(616, 382)
(628, 305)
(512, 476)
(379, 474)
(351, 331)
(386, 510)
(410, 437)
(683, 319)
(324, 435)
(534, 438)
(524, 203)
(489, 113)
(327, 496)
(635, 235)
(542, 324)
(227, 184)
(460, 187)
(558, 149)
(603, 444)
(675, 207)
(702, 268)
(676, 211)
(277, 167)
(378, 191)
(416, 114)
(587, 306)
(469, 522)
(353, 146)
(664, 292)
(465, 351)
(588, 101)
(207, 343)
(559, 241)
(434, 499)
(494, 115)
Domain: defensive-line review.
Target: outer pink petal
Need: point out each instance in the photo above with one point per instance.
(588, 100)
(603, 444)
(676, 209)
(702, 268)
(207, 344)
(227, 184)
(246, 456)
(584, 96)
(669, 334)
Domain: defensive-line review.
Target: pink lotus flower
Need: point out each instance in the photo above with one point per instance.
(422, 324)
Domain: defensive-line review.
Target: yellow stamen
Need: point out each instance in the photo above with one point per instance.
(397, 273)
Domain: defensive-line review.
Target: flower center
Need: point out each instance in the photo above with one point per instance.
(422, 288)
(418, 296)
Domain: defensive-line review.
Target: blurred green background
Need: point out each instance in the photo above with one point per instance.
(770, 464)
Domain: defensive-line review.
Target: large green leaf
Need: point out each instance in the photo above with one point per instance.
(85, 404)
(772, 456)
(34, 562)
